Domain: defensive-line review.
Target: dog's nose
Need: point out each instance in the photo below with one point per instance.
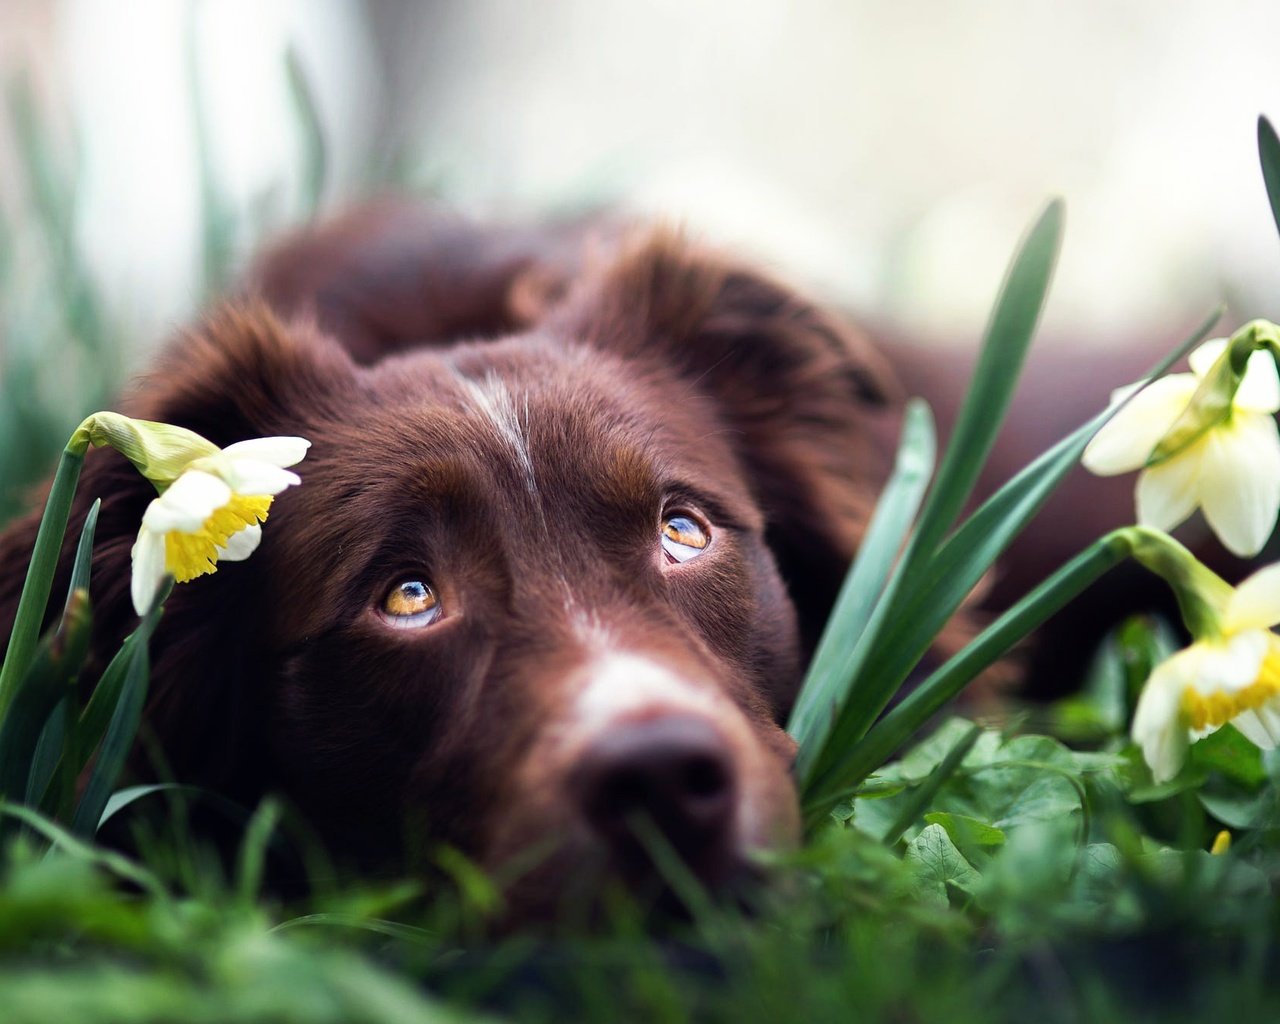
(674, 771)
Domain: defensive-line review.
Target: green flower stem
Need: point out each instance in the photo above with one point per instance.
(896, 727)
(1202, 594)
(44, 563)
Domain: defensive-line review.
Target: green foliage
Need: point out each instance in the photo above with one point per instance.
(892, 610)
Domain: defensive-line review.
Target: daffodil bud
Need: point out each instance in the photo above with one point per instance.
(160, 451)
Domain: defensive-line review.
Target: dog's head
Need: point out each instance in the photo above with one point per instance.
(535, 594)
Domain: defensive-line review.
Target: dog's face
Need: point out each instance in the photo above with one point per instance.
(535, 594)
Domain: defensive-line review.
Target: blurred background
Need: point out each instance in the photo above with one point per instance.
(887, 155)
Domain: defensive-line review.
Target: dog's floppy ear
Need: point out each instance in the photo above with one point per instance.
(240, 374)
(793, 383)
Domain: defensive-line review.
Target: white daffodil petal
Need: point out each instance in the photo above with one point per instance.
(241, 545)
(1255, 603)
(279, 451)
(1261, 725)
(148, 569)
(249, 476)
(1128, 439)
(1259, 389)
(1166, 494)
(184, 507)
(1157, 721)
(1240, 481)
(1206, 355)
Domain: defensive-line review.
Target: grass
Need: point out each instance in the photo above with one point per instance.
(963, 872)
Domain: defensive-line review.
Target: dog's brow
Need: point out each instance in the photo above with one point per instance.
(494, 401)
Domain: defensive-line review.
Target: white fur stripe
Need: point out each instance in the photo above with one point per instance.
(491, 399)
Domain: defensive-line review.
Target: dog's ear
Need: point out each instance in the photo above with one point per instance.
(240, 374)
(794, 384)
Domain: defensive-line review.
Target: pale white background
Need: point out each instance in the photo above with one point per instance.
(889, 153)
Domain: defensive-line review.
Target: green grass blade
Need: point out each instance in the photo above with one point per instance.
(106, 695)
(120, 866)
(891, 732)
(1269, 155)
(122, 728)
(218, 222)
(49, 749)
(39, 581)
(315, 155)
(1008, 337)
(251, 863)
(50, 673)
(827, 682)
(337, 919)
(924, 794)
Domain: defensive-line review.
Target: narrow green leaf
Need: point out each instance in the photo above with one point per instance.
(337, 919)
(106, 695)
(83, 564)
(1269, 154)
(49, 748)
(253, 850)
(123, 798)
(850, 766)
(1008, 337)
(923, 796)
(831, 672)
(314, 150)
(52, 670)
(122, 728)
(218, 222)
(39, 582)
(48, 753)
(109, 860)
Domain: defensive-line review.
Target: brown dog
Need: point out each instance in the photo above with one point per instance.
(568, 528)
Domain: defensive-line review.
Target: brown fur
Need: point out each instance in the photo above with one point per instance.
(642, 372)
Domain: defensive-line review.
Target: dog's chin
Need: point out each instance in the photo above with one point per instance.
(586, 887)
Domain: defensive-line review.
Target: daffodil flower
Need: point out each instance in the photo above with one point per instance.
(212, 500)
(1220, 452)
(1229, 675)
(211, 512)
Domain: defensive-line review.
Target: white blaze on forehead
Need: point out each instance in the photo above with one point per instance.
(492, 400)
(619, 684)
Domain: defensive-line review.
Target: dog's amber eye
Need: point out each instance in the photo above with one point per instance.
(410, 604)
(684, 537)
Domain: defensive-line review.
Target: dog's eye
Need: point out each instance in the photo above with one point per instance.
(684, 537)
(411, 604)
